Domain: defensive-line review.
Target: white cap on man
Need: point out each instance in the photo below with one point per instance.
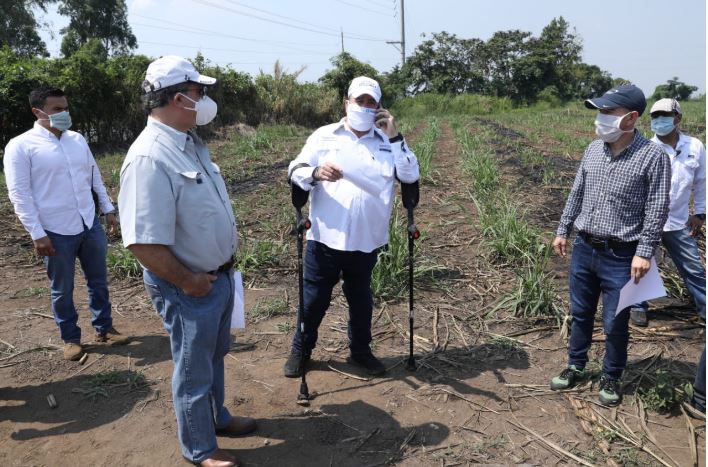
(170, 70)
(363, 85)
(666, 105)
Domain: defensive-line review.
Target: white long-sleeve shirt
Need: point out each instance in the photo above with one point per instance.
(352, 214)
(49, 182)
(688, 175)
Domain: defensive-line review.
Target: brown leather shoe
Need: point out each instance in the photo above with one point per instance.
(237, 427)
(112, 337)
(73, 351)
(219, 458)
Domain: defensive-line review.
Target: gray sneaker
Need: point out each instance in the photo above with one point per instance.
(567, 378)
(638, 317)
(609, 391)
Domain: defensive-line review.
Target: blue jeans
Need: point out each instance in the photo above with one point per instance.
(594, 272)
(683, 250)
(90, 246)
(199, 340)
(323, 267)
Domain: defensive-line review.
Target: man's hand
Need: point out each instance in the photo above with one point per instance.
(44, 246)
(329, 172)
(112, 222)
(560, 246)
(199, 284)
(384, 121)
(695, 224)
(640, 267)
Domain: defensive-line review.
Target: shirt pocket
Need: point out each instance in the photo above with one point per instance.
(194, 202)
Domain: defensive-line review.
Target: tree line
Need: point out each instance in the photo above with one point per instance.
(102, 77)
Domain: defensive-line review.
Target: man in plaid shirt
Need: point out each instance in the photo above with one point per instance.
(619, 203)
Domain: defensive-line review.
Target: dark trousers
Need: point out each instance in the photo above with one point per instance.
(699, 386)
(323, 268)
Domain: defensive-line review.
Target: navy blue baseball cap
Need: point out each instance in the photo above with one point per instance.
(628, 96)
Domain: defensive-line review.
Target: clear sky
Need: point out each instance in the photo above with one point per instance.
(644, 41)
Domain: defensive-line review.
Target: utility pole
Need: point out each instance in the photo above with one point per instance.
(342, 33)
(401, 45)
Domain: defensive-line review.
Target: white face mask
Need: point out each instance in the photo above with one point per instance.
(360, 118)
(607, 127)
(205, 108)
(60, 120)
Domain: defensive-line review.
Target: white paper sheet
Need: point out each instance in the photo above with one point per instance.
(358, 172)
(238, 317)
(650, 286)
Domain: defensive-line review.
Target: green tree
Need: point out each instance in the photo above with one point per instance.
(18, 27)
(674, 89)
(590, 81)
(445, 64)
(106, 20)
(346, 68)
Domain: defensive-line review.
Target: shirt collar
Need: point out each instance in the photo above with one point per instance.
(178, 137)
(40, 130)
(373, 131)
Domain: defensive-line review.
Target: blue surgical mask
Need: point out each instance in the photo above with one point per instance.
(662, 126)
(60, 120)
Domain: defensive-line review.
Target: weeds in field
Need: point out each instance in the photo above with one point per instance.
(31, 292)
(389, 279)
(256, 254)
(535, 293)
(100, 383)
(664, 391)
(285, 328)
(510, 237)
(123, 264)
(424, 149)
(267, 308)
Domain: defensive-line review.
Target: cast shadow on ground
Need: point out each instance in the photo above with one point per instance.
(352, 434)
(450, 367)
(84, 402)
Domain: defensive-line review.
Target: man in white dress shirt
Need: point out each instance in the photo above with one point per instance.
(350, 169)
(688, 177)
(51, 175)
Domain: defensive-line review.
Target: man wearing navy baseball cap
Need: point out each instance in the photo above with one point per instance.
(619, 203)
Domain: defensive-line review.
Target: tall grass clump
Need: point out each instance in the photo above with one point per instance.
(443, 105)
(535, 292)
(424, 149)
(256, 254)
(122, 264)
(479, 163)
(510, 237)
(389, 279)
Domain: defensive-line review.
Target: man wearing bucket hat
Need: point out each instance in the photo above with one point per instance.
(619, 203)
(688, 177)
(349, 168)
(177, 220)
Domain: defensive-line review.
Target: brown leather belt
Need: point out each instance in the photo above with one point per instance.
(226, 267)
(600, 243)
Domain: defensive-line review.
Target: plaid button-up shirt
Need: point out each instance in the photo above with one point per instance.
(623, 197)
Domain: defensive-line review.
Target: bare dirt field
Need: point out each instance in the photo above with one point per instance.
(480, 394)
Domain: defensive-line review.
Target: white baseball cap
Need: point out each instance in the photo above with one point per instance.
(170, 70)
(363, 85)
(666, 105)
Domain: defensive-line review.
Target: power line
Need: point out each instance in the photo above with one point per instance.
(229, 50)
(279, 16)
(380, 5)
(204, 32)
(221, 7)
(378, 12)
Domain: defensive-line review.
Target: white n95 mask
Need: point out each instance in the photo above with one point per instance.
(205, 108)
(360, 118)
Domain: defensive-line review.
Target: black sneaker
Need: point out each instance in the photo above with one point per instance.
(609, 391)
(638, 317)
(292, 368)
(367, 361)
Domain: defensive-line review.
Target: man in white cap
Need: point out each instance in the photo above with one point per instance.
(51, 176)
(177, 220)
(349, 168)
(688, 177)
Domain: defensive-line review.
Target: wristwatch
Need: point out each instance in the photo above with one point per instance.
(701, 216)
